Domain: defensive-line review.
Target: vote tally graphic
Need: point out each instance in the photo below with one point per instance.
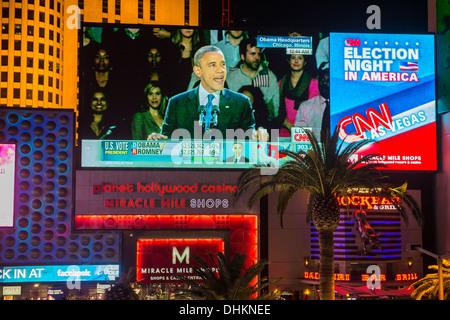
(382, 87)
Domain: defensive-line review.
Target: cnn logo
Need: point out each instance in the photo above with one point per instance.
(353, 42)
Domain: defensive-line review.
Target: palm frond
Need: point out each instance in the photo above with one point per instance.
(429, 285)
(229, 280)
(328, 169)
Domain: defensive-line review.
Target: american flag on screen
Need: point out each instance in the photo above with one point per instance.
(261, 80)
(409, 66)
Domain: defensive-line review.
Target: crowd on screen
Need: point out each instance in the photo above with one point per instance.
(129, 74)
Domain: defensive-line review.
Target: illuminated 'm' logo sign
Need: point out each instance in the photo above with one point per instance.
(372, 122)
(176, 255)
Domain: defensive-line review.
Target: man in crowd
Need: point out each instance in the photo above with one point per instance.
(230, 47)
(234, 109)
(253, 71)
(238, 156)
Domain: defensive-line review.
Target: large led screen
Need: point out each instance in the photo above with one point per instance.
(7, 178)
(382, 87)
(135, 81)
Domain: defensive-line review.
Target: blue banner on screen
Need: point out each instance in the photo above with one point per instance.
(109, 272)
(293, 45)
(188, 154)
(382, 87)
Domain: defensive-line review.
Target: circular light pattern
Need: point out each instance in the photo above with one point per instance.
(42, 230)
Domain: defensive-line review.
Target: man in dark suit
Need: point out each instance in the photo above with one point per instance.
(235, 110)
(238, 157)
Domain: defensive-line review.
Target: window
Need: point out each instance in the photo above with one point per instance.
(4, 76)
(140, 9)
(4, 44)
(117, 7)
(18, 13)
(17, 45)
(17, 61)
(30, 62)
(30, 30)
(41, 64)
(41, 79)
(186, 12)
(30, 46)
(5, 28)
(152, 10)
(50, 50)
(51, 19)
(40, 95)
(29, 78)
(41, 32)
(4, 60)
(3, 93)
(30, 14)
(41, 48)
(42, 16)
(16, 77)
(16, 93)
(18, 29)
(5, 12)
(29, 93)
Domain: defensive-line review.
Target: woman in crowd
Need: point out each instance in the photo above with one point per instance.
(151, 117)
(295, 87)
(185, 43)
(99, 124)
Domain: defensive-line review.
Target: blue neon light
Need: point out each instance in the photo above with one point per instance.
(64, 273)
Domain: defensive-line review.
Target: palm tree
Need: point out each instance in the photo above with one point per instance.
(326, 172)
(429, 285)
(227, 280)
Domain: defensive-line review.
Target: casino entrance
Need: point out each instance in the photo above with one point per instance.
(156, 257)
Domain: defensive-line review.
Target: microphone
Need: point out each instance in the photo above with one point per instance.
(215, 113)
(202, 112)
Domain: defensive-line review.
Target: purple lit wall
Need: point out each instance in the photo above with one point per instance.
(42, 231)
(347, 241)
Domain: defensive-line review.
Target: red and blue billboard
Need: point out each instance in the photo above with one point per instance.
(382, 87)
